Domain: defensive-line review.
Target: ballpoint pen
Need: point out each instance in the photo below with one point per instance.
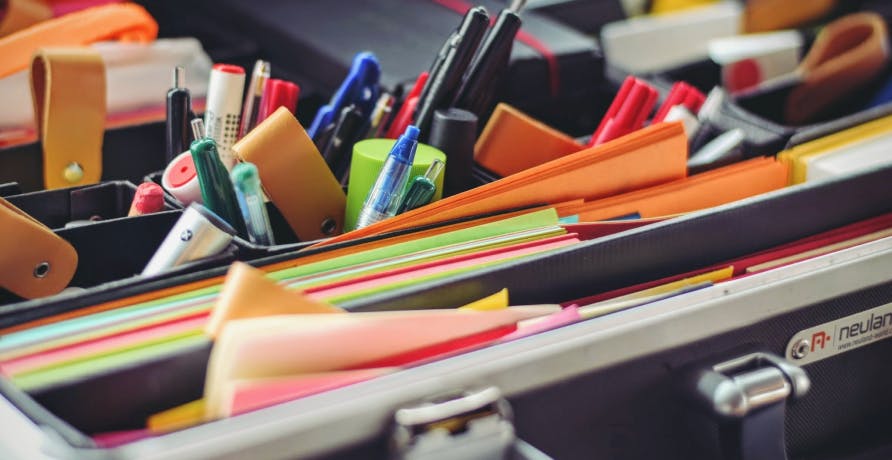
(246, 181)
(217, 192)
(251, 108)
(223, 110)
(349, 130)
(360, 88)
(478, 88)
(452, 61)
(421, 188)
(178, 107)
(403, 117)
(380, 116)
(384, 197)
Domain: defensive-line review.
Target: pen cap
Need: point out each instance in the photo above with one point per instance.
(368, 159)
(198, 233)
(181, 180)
(454, 132)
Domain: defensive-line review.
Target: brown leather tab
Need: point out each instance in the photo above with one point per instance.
(68, 90)
(34, 261)
(21, 14)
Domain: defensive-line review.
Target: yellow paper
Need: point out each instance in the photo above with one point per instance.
(497, 301)
(177, 418)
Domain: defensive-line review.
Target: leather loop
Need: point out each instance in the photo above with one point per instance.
(21, 14)
(847, 55)
(124, 21)
(68, 90)
(34, 261)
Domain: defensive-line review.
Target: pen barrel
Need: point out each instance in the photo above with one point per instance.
(384, 196)
(217, 192)
(478, 89)
(420, 192)
(223, 109)
(195, 235)
(446, 78)
(454, 131)
(177, 127)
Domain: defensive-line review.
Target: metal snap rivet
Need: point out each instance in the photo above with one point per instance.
(329, 226)
(800, 350)
(186, 235)
(41, 270)
(73, 173)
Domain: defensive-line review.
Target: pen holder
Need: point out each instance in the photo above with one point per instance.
(82, 204)
(368, 159)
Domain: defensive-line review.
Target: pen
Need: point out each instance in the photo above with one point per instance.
(251, 108)
(198, 233)
(338, 151)
(403, 117)
(223, 109)
(481, 81)
(246, 182)
(451, 63)
(217, 192)
(384, 197)
(360, 87)
(380, 116)
(421, 188)
(178, 106)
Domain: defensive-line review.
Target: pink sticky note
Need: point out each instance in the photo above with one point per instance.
(566, 316)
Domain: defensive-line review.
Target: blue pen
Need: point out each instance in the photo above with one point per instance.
(246, 181)
(359, 88)
(384, 197)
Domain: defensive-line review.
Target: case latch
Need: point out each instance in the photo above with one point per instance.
(465, 425)
(749, 395)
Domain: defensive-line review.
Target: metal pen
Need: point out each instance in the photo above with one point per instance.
(246, 181)
(384, 197)
(251, 109)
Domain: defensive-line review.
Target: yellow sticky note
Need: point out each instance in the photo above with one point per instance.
(177, 418)
(497, 301)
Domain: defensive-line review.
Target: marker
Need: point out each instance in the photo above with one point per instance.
(278, 93)
(251, 109)
(384, 197)
(223, 109)
(454, 132)
(178, 106)
(451, 63)
(421, 189)
(181, 180)
(149, 198)
(217, 192)
(403, 117)
(246, 182)
(197, 234)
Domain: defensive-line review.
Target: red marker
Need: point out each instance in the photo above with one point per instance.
(628, 112)
(406, 114)
(149, 198)
(278, 93)
(681, 94)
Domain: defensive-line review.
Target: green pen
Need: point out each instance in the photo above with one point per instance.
(246, 181)
(421, 188)
(213, 178)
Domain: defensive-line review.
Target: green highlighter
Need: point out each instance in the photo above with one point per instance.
(216, 188)
(421, 188)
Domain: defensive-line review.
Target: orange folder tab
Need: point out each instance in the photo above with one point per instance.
(644, 158)
(712, 188)
(513, 141)
(124, 22)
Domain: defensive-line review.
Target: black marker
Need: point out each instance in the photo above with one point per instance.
(179, 106)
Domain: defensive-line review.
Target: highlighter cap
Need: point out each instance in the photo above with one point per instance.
(245, 176)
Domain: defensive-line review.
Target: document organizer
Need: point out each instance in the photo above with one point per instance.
(630, 257)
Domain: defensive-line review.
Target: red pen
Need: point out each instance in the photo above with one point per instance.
(628, 111)
(149, 198)
(406, 114)
(681, 94)
(277, 93)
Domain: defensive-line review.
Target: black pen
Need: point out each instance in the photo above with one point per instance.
(446, 73)
(489, 65)
(350, 129)
(179, 107)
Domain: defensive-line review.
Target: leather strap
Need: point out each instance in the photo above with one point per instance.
(294, 176)
(758, 436)
(20, 14)
(767, 15)
(34, 261)
(68, 90)
(848, 54)
(120, 21)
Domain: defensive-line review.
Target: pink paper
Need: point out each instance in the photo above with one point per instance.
(117, 438)
(566, 316)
